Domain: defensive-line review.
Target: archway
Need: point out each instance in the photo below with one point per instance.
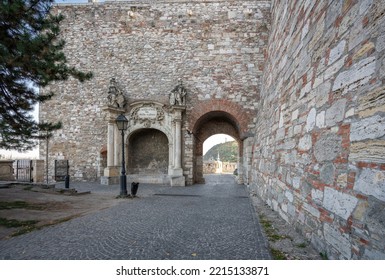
(211, 123)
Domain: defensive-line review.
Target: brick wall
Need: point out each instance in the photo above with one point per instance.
(319, 150)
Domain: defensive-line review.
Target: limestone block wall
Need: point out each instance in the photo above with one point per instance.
(215, 47)
(319, 149)
(6, 170)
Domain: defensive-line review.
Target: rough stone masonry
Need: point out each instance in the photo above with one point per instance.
(299, 84)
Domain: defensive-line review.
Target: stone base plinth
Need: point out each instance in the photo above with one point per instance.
(105, 180)
(149, 179)
(140, 178)
(112, 171)
(178, 181)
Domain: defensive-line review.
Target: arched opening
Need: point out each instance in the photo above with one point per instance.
(148, 152)
(220, 155)
(215, 122)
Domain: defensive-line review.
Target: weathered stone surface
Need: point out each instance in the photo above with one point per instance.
(312, 210)
(322, 93)
(363, 50)
(368, 151)
(342, 180)
(337, 52)
(359, 74)
(334, 10)
(281, 133)
(326, 65)
(335, 113)
(327, 147)
(380, 46)
(339, 203)
(338, 240)
(296, 182)
(317, 196)
(334, 68)
(373, 255)
(364, 6)
(311, 118)
(371, 182)
(360, 211)
(320, 120)
(305, 143)
(375, 219)
(372, 102)
(368, 128)
(327, 173)
(289, 196)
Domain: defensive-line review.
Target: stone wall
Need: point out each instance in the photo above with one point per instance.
(148, 153)
(215, 47)
(6, 170)
(319, 150)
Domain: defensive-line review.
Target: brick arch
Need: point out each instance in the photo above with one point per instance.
(240, 116)
(208, 124)
(214, 126)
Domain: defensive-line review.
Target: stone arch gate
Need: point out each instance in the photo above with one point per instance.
(216, 122)
(161, 126)
(216, 117)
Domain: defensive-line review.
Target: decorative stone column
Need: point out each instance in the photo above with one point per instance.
(178, 146)
(170, 158)
(112, 169)
(178, 105)
(177, 178)
(117, 147)
(110, 143)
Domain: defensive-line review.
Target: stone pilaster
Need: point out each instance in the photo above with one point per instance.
(177, 178)
(113, 167)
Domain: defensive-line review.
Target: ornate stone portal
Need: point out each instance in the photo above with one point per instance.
(145, 116)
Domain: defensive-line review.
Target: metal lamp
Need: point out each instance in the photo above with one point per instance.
(122, 124)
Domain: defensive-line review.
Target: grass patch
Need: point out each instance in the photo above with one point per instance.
(18, 204)
(270, 231)
(15, 223)
(29, 228)
(277, 254)
(25, 226)
(324, 256)
(302, 245)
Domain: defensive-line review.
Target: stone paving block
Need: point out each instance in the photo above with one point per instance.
(211, 221)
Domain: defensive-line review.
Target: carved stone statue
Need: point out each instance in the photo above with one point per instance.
(116, 97)
(178, 95)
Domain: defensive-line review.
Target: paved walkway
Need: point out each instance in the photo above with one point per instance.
(211, 221)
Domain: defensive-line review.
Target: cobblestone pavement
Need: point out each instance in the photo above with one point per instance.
(211, 221)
